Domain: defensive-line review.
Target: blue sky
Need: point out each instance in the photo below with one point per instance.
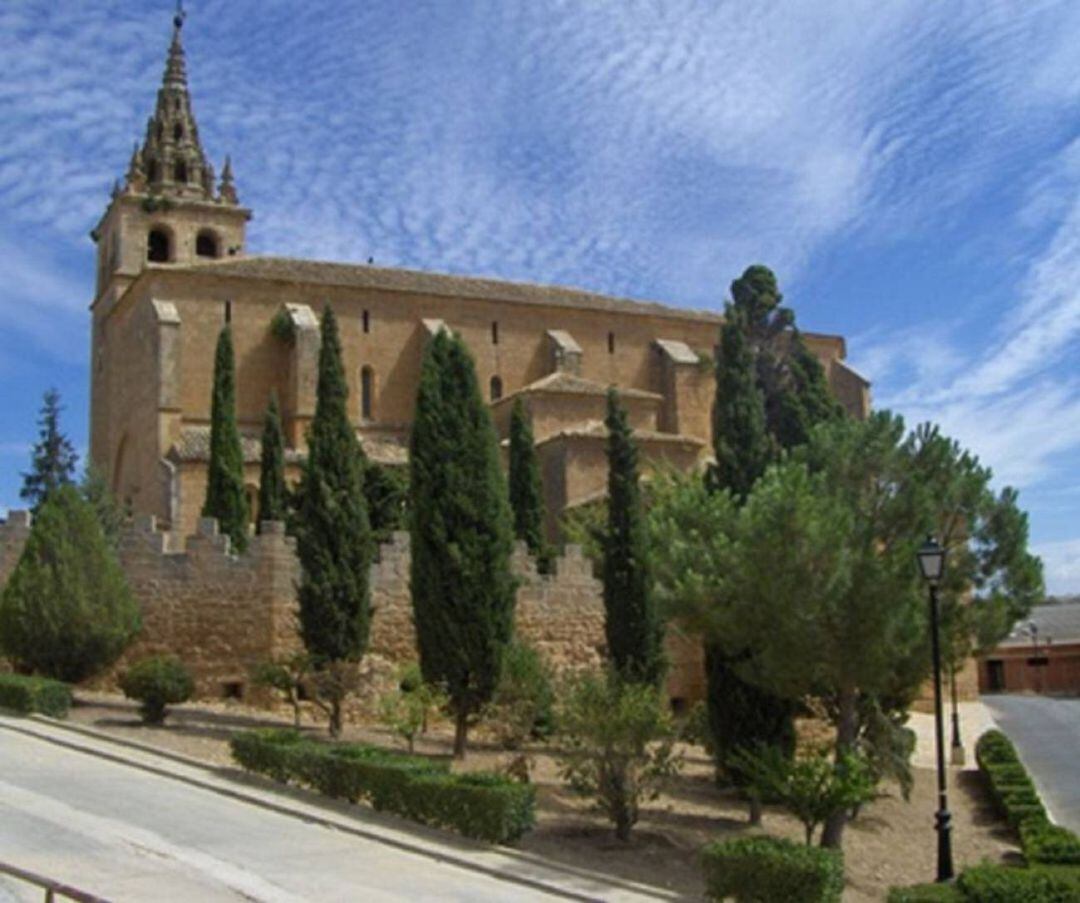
(911, 171)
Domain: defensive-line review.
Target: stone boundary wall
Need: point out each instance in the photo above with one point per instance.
(222, 613)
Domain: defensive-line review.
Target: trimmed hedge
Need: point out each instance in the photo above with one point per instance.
(34, 694)
(926, 893)
(769, 869)
(481, 805)
(1011, 785)
(1048, 844)
(1000, 884)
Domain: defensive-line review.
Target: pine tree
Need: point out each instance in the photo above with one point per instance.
(526, 496)
(108, 510)
(632, 623)
(461, 528)
(225, 496)
(273, 494)
(333, 536)
(741, 442)
(66, 611)
(54, 459)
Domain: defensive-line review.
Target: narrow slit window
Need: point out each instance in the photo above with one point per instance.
(611, 343)
(228, 311)
(367, 322)
(495, 332)
(367, 389)
(496, 388)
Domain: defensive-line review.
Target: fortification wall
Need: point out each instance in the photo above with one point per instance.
(221, 614)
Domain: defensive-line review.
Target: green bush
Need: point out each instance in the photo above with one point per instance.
(523, 705)
(926, 893)
(485, 806)
(1001, 884)
(617, 745)
(1003, 774)
(34, 694)
(769, 870)
(994, 747)
(1049, 844)
(157, 682)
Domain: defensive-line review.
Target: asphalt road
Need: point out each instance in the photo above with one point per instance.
(1046, 732)
(126, 834)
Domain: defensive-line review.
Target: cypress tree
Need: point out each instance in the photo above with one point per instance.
(632, 623)
(526, 496)
(53, 462)
(272, 490)
(66, 611)
(740, 439)
(225, 497)
(460, 523)
(333, 537)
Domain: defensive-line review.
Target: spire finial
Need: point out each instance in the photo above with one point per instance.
(178, 19)
(227, 188)
(175, 70)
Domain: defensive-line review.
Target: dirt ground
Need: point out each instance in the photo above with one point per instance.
(891, 842)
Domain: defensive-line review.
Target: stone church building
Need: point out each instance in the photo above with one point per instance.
(173, 267)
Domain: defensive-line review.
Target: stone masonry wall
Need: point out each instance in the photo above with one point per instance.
(221, 613)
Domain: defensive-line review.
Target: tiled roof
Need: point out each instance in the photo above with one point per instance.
(596, 429)
(1060, 623)
(570, 384)
(395, 279)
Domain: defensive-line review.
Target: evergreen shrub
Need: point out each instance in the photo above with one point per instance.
(926, 893)
(1001, 884)
(1049, 844)
(157, 682)
(485, 806)
(34, 694)
(771, 870)
(993, 747)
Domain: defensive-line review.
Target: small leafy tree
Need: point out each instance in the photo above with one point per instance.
(66, 611)
(285, 676)
(522, 706)
(157, 682)
(811, 787)
(273, 493)
(460, 523)
(526, 495)
(54, 458)
(406, 710)
(617, 745)
(333, 538)
(225, 496)
(632, 622)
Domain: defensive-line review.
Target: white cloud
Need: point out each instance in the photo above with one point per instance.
(1061, 565)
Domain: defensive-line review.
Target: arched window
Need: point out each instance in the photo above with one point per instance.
(496, 388)
(206, 244)
(367, 392)
(157, 246)
(180, 172)
(177, 132)
(154, 173)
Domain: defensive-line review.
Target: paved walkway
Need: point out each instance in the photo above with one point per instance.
(975, 719)
(129, 824)
(1046, 732)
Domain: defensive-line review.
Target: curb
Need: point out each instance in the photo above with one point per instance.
(344, 822)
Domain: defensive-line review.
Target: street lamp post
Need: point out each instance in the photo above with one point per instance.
(932, 564)
(956, 754)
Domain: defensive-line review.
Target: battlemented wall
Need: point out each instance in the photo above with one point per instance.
(221, 614)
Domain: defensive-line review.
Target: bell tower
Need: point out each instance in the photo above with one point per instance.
(169, 209)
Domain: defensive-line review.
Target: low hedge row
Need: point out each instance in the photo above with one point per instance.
(34, 694)
(481, 805)
(993, 884)
(1012, 787)
(769, 869)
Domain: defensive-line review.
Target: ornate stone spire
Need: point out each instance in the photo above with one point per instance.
(227, 189)
(171, 158)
